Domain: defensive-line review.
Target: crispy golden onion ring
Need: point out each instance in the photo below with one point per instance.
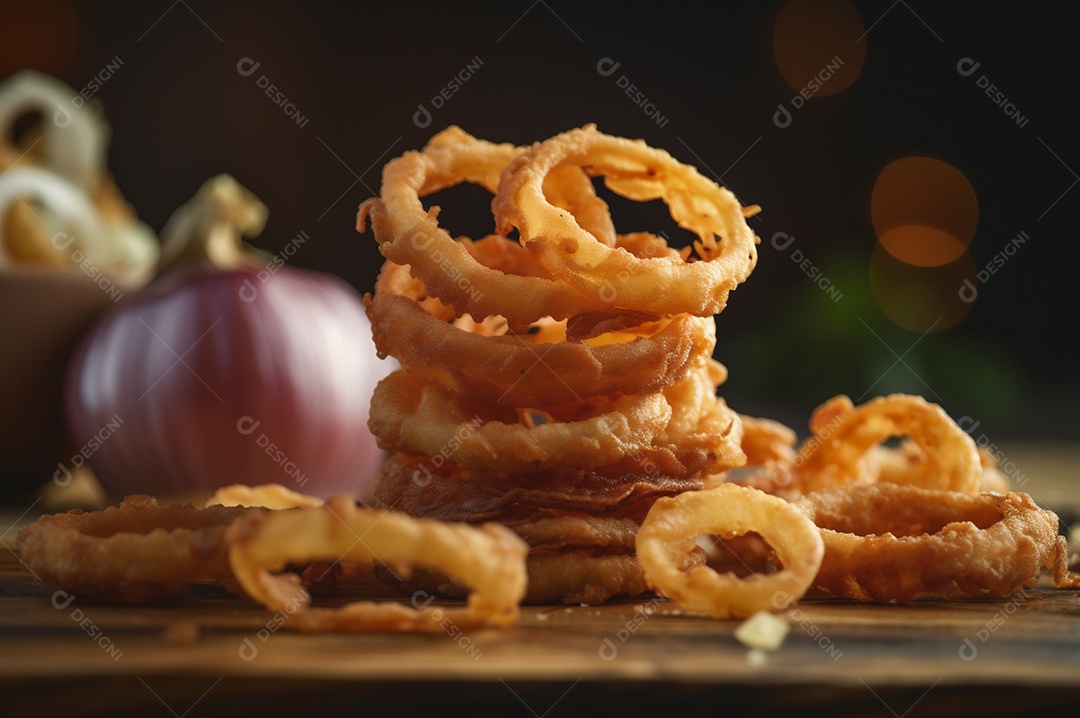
(431, 488)
(268, 496)
(574, 531)
(891, 542)
(410, 235)
(138, 552)
(508, 371)
(575, 578)
(704, 435)
(844, 436)
(489, 558)
(632, 169)
(419, 419)
(685, 429)
(670, 530)
(766, 442)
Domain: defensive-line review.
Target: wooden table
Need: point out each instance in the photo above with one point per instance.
(928, 658)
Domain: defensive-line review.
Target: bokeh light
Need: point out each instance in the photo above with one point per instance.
(924, 211)
(921, 245)
(810, 36)
(920, 298)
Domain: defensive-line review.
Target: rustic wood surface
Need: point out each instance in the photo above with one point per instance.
(927, 658)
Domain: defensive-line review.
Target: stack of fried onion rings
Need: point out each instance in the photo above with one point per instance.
(575, 355)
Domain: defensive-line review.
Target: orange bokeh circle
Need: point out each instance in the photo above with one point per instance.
(924, 211)
(819, 42)
(921, 245)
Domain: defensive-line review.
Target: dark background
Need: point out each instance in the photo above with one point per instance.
(181, 112)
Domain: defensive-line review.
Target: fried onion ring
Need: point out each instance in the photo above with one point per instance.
(268, 496)
(704, 435)
(767, 442)
(488, 558)
(426, 488)
(410, 235)
(684, 430)
(669, 533)
(893, 542)
(638, 172)
(138, 552)
(846, 449)
(508, 371)
(574, 578)
(409, 416)
(554, 532)
(844, 434)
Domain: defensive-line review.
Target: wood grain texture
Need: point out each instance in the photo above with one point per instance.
(1031, 638)
(961, 658)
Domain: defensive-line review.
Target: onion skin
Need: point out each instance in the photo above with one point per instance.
(211, 377)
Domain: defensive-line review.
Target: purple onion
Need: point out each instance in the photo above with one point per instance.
(212, 377)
